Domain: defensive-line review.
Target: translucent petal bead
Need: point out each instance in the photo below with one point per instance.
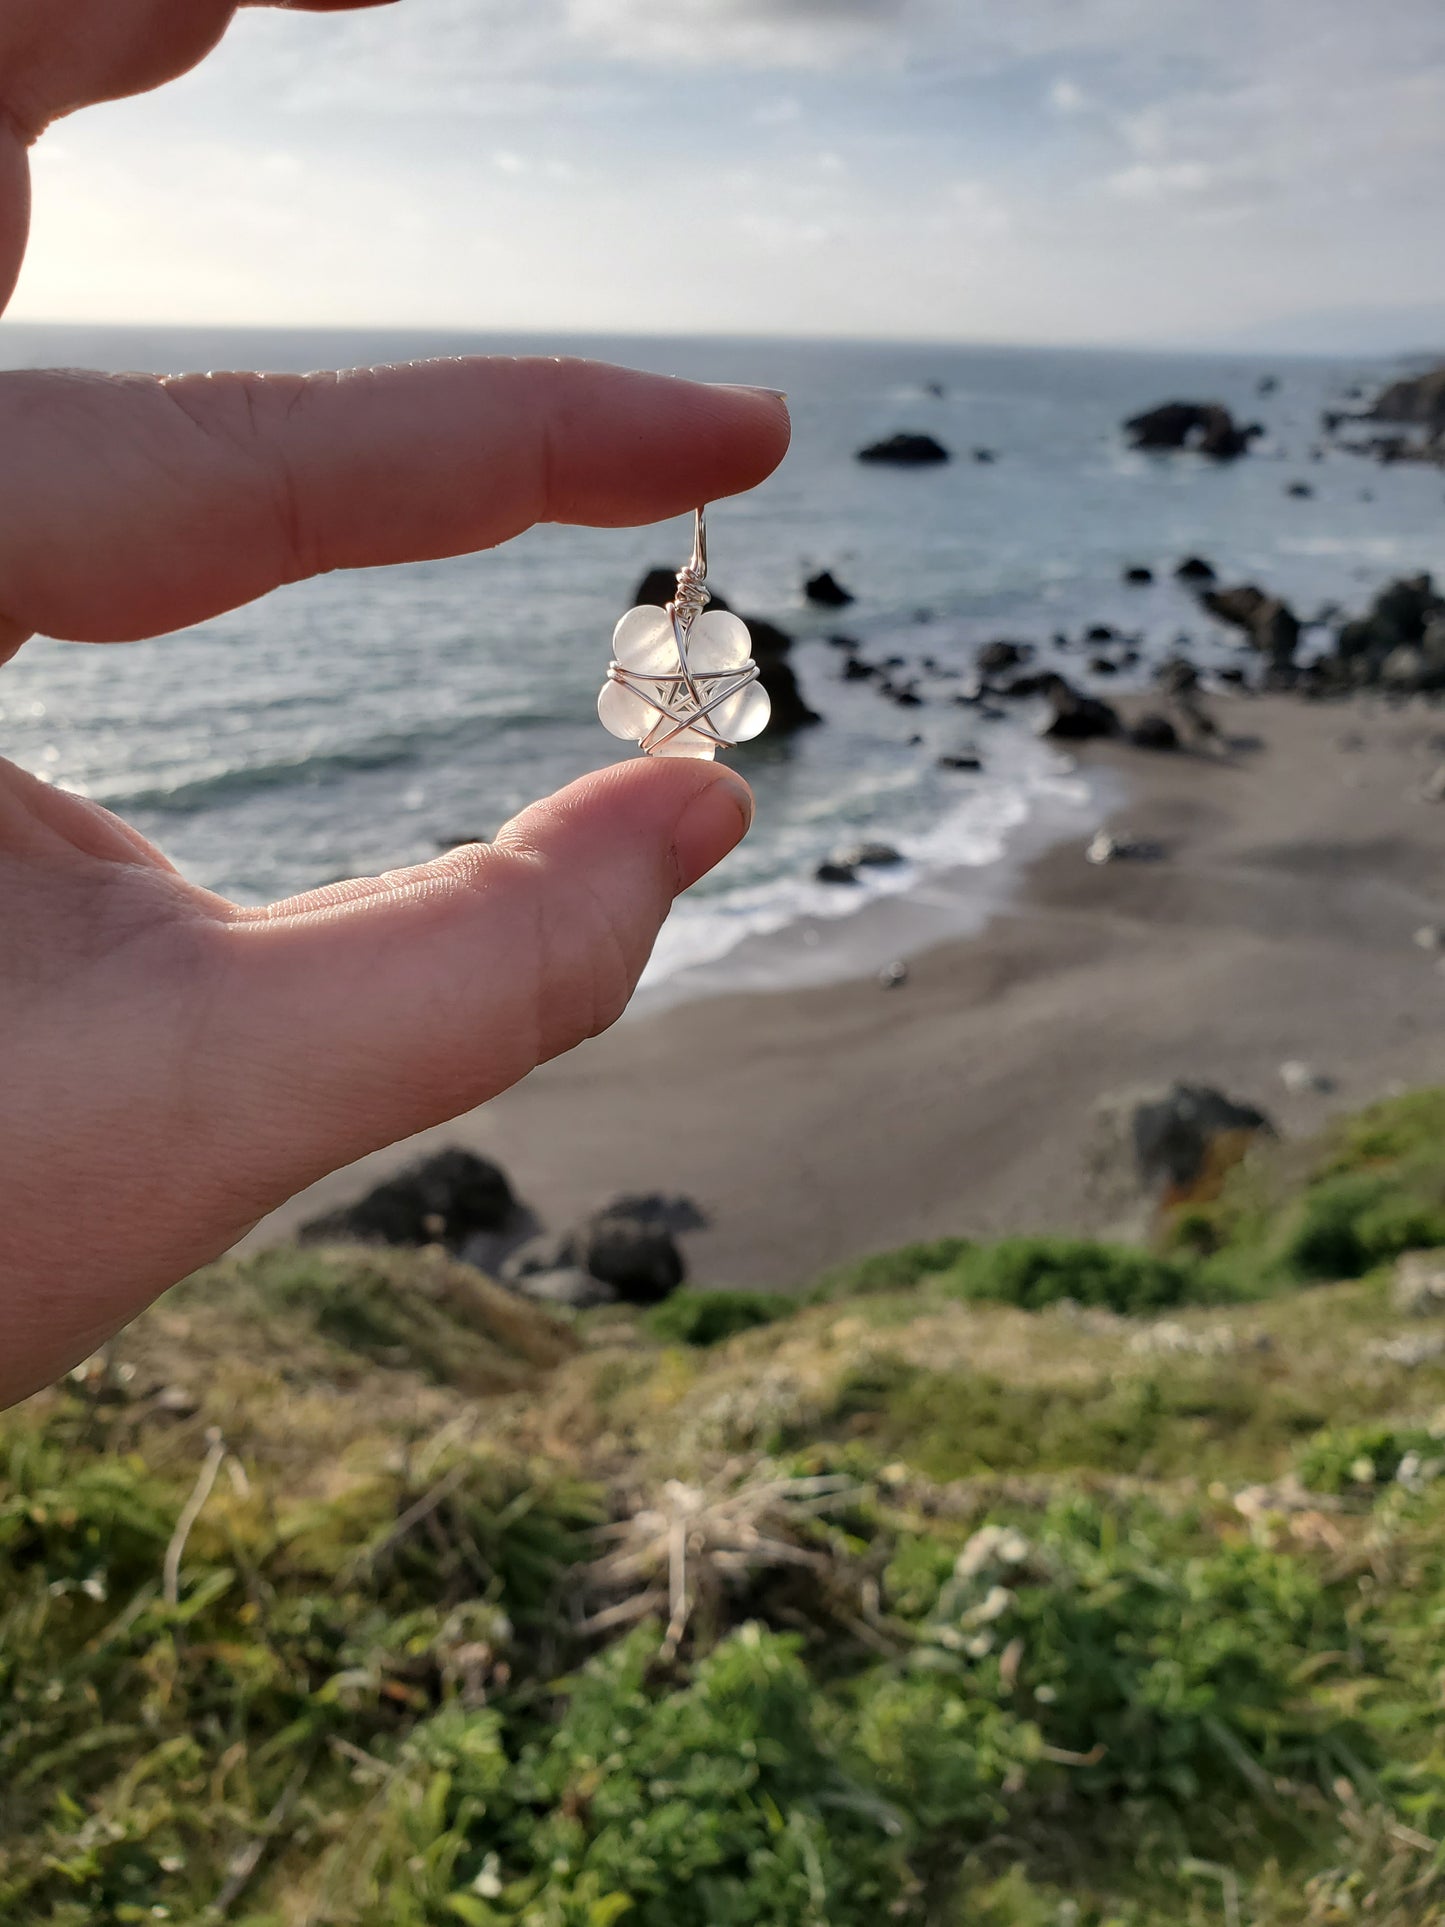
(625, 713)
(718, 643)
(643, 643)
(744, 715)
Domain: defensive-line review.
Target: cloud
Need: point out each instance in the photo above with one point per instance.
(944, 167)
(1068, 97)
(1191, 183)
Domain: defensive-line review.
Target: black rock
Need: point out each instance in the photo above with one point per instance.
(1177, 675)
(908, 699)
(442, 1199)
(1235, 677)
(638, 1258)
(1037, 684)
(1153, 731)
(831, 872)
(864, 856)
(671, 1211)
(966, 758)
(1301, 491)
(790, 711)
(1103, 666)
(1208, 428)
(993, 658)
(1195, 569)
(1101, 632)
(905, 451)
(1174, 1133)
(1074, 717)
(827, 591)
(1139, 576)
(856, 670)
(844, 642)
(1418, 398)
(627, 1250)
(1270, 623)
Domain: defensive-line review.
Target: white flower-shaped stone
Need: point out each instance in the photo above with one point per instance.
(683, 701)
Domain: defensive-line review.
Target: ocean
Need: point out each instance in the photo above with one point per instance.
(370, 719)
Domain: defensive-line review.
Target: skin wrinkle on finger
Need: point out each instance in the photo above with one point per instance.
(131, 507)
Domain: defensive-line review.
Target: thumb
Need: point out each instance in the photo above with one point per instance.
(373, 1010)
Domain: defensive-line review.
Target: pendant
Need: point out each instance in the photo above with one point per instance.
(682, 681)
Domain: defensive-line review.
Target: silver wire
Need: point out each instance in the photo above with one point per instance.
(689, 601)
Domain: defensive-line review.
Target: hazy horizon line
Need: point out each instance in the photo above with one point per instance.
(1198, 345)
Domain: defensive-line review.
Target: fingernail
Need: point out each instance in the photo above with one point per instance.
(714, 822)
(745, 388)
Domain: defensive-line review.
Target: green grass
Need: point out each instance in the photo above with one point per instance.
(710, 1317)
(1042, 1649)
(1035, 1273)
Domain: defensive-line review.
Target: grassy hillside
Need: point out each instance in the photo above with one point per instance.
(1041, 1584)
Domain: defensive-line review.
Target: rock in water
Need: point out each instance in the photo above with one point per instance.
(865, 856)
(1139, 577)
(1207, 427)
(1153, 731)
(1074, 717)
(994, 658)
(1195, 569)
(827, 591)
(443, 1199)
(1408, 616)
(905, 451)
(1269, 622)
(831, 872)
(1418, 398)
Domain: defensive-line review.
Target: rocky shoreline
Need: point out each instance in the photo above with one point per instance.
(1263, 917)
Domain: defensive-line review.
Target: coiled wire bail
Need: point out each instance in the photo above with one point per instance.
(692, 593)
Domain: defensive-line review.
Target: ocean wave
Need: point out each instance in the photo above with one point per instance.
(191, 795)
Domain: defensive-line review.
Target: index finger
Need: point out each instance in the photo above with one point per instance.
(131, 505)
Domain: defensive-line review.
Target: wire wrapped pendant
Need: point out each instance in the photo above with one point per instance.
(682, 681)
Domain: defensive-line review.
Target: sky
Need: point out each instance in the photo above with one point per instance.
(1248, 172)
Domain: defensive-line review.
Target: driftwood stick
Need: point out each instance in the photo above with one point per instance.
(190, 1512)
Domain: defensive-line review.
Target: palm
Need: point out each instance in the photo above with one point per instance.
(177, 1066)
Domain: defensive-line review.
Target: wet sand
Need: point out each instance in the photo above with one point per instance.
(813, 1125)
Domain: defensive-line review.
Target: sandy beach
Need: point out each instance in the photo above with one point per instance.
(1278, 924)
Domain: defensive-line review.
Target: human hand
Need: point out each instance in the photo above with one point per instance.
(175, 1066)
